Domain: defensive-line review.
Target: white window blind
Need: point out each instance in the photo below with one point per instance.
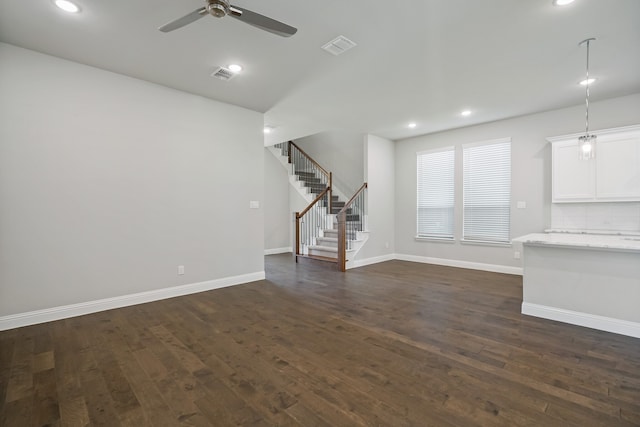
(436, 193)
(487, 191)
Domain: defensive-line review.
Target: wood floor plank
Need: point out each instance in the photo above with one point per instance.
(45, 399)
(156, 411)
(20, 381)
(97, 396)
(390, 344)
(18, 412)
(74, 412)
(7, 341)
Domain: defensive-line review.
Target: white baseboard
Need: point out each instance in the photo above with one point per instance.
(461, 264)
(73, 310)
(275, 251)
(368, 261)
(609, 324)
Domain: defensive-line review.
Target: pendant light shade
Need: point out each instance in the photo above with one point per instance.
(587, 147)
(587, 142)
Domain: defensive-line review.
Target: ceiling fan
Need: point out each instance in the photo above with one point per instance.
(222, 8)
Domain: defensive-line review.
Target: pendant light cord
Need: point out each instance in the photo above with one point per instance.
(587, 84)
(587, 91)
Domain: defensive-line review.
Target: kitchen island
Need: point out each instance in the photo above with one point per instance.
(590, 280)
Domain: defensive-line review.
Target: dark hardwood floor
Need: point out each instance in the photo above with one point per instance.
(392, 344)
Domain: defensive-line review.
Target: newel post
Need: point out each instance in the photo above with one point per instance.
(342, 240)
(330, 193)
(297, 235)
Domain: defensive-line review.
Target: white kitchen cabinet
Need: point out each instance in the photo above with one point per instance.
(573, 180)
(618, 169)
(613, 176)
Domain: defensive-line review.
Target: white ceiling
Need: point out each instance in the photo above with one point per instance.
(415, 60)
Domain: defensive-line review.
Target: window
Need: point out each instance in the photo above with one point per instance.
(436, 193)
(487, 191)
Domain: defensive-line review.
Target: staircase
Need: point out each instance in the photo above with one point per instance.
(330, 228)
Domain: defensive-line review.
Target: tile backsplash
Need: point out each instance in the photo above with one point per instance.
(614, 217)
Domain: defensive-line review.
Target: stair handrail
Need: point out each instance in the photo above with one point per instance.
(358, 201)
(304, 153)
(312, 225)
(291, 158)
(316, 200)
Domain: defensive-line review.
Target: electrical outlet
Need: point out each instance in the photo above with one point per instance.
(516, 255)
(180, 270)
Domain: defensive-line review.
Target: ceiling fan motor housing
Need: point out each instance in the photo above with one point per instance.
(218, 8)
(222, 8)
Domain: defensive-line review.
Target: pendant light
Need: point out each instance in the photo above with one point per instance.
(587, 142)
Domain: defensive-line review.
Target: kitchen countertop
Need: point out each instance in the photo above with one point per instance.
(617, 242)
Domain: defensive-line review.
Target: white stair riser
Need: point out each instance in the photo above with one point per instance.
(327, 241)
(320, 252)
(331, 233)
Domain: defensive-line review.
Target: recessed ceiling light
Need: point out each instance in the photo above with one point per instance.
(465, 113)
(67, 6)
(267, 129)
(412, 125)
(235, 68)
(588, 82)
(562, 2)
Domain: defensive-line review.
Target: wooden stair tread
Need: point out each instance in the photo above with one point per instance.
(319, 258)
(323, 248)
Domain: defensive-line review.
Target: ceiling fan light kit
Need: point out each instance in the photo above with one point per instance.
(222, 8)
(218, 8)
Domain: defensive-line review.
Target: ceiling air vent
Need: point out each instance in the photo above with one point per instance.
(338, 45)
(223, 73)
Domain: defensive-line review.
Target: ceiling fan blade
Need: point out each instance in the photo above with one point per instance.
(263, 22)
(181, 22)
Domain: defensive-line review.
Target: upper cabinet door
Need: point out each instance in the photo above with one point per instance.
(613, 176)
(573, 179)
(618, 169)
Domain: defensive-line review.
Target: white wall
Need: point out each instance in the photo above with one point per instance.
(277, 218)
(108, 183)
(341, 153)
(379, 166)
(297, 203)
(531, 175)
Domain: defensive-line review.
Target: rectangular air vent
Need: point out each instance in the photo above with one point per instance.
(223, 73)
(338, 45)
